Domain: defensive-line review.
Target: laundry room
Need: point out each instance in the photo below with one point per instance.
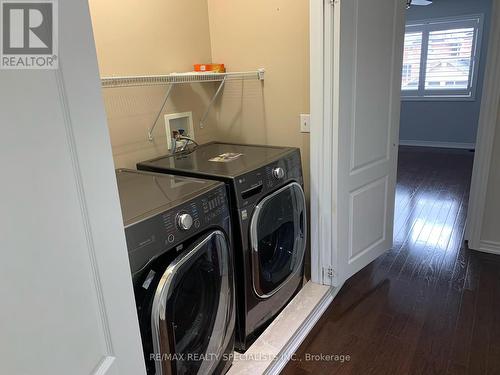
(210, 90)
(223, 187)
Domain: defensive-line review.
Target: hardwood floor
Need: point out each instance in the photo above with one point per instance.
(428, 306)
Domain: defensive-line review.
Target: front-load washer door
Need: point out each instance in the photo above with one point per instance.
(193, 309)
(278, 239)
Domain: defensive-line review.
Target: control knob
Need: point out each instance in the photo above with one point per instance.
(184, 221)
(278, 173)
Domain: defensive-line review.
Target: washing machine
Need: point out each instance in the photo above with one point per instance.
(268, 210)
(178, 237)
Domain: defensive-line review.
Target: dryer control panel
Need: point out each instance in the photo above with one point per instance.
(168, 230)
(251, 187)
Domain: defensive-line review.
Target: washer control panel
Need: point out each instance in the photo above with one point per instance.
(171, 228)
(278, 173)
(184, 221)
(213, 205)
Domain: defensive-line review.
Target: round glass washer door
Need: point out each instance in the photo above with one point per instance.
(192, 317)
(278, 239)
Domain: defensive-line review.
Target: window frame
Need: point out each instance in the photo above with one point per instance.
(428, 25)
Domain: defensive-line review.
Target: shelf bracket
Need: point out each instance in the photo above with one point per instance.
(205, 115)
(167, 95)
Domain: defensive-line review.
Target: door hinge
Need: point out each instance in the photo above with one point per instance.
(333, 2)
(328, 272)
(330, 276)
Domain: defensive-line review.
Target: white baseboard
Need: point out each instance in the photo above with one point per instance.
(489, 247)
(467, 146)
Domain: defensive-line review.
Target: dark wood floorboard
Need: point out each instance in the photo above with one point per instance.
(429, 305)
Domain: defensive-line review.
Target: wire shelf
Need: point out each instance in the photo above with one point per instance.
(175, 78)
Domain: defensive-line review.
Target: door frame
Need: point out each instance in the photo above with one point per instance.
(324, 127)
(490, 105)
(323, 146)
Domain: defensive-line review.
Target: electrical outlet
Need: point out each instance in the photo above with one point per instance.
(305, 123)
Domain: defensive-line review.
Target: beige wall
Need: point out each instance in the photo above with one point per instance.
(170, 35)
(491, 222)
(154, 37)
(272, 34)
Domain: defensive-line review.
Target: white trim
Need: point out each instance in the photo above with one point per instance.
(104, 366)
(316, 111)
(89, 147)
(301, 333)
(461, 145)
(72, 143)
(489, 247)
(322, 139)
(438, 98)
(486, 133)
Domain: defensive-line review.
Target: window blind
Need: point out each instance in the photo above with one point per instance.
(411, 60)
(449, 57)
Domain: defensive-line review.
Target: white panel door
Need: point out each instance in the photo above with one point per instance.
(67, 304)
(370, 37)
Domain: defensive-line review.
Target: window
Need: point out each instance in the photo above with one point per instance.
(441, 59)
(411, 61)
